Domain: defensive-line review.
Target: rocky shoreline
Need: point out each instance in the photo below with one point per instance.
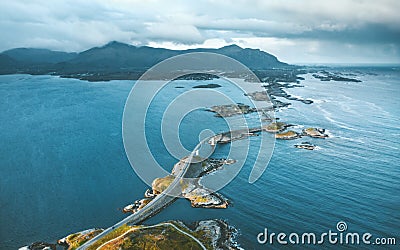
(231, 110)
(277, 128)
(213, 234)
(219, 233)
(319, 133)
(315, 132)
(207, 86)
(327, 76)
(305, 145)
(223, 235)
(288, 135)
(274, 84)
(198, 195)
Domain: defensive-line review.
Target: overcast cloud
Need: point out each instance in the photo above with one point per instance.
(298, 31)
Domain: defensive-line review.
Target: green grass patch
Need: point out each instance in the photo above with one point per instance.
(76, 240)
(112, 235)
(160, 184)
(276, 126)
(160, 237)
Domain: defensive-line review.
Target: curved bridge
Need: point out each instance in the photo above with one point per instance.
(162, 200)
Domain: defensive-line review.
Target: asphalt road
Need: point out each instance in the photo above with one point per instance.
(156, 205)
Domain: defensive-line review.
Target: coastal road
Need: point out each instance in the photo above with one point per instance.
(162, 200)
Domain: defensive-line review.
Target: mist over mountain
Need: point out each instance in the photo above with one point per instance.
(117, 60)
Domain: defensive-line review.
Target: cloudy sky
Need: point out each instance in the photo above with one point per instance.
(296, 31)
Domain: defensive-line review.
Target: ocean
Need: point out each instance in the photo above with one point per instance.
(63, 165)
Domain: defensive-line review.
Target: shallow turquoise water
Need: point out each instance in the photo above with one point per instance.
(63, 166)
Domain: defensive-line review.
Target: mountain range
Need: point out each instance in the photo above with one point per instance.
(116, 60)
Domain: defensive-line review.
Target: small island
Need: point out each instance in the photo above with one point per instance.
(207, 86)
(258, 96)
(208, 234)
(305, 145)
(231, 110)
(315, 132)
(191, 189)
(275, 127)
(327, 76)
(288, 135)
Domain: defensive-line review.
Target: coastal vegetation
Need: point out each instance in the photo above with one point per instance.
(112, 235)
(160, 184)
(327, 76)
(275, 127)
(73, 241)
(258, 96)
(191, 189)
(197, 194)
(231, 110)
(315, 132)
(106, 63)
(159, 237)
(207, 234)
(288, 135)
(210, 233)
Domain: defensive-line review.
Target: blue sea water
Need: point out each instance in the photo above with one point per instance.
(63, 167)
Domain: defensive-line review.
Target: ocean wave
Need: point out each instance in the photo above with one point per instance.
(352, 105)
(329, 133)
(298, 126)
(351, 139)
(339, 124)
(391, 147)
(317, 101)
(329, 116)
(296, 96)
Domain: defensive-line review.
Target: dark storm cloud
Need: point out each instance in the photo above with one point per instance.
(300, 29)
(369, 34)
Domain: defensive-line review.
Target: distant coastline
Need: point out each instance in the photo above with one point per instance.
(116, 61)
